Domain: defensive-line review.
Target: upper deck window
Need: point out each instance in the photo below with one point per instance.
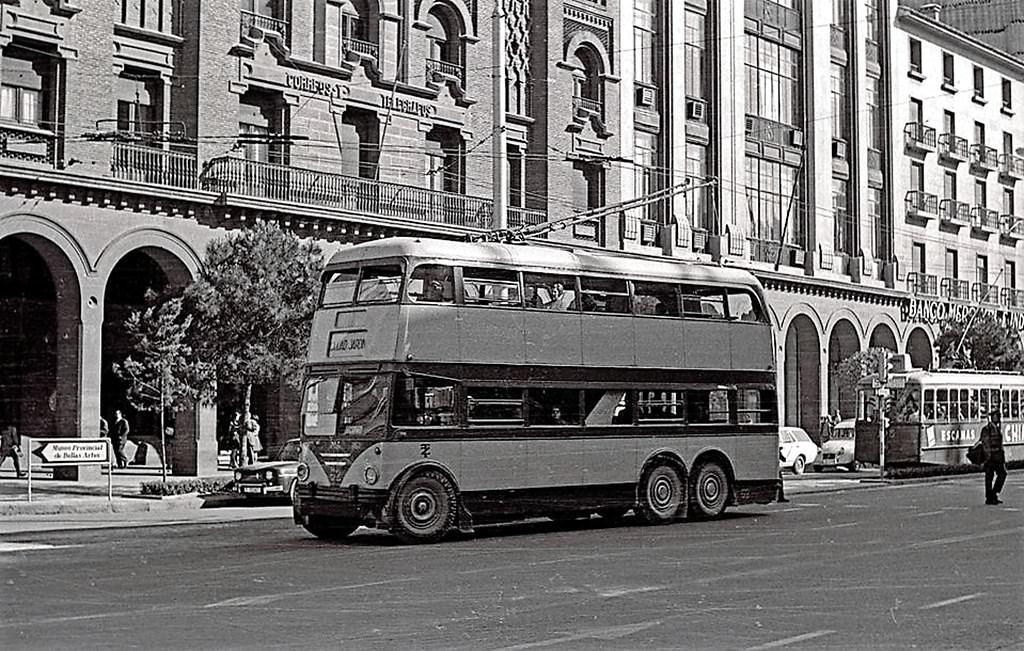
(380, 284)
(755, 406)
(340, 286)
(707, 302)
(554, 407)
(661, 405)
(608, 407)
(432, 283)
(655, 299)
(550, 291)
(494, 405)
(608, 295)
(483, 286)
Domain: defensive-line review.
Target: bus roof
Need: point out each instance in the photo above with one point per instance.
(542, 257)
(964, 379)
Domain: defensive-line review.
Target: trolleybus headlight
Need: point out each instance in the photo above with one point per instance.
(238, 475)
(268, 475)
(302, 472)
(370, 475)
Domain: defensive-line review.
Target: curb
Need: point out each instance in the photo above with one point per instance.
(120, 504)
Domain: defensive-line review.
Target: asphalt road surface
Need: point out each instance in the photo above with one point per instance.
(925, 565)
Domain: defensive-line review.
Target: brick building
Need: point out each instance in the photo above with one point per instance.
(133, 132)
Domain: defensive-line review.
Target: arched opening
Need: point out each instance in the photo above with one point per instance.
(343, 27)
(882, 337)
(919, 347)
(138, 272)
(843, 343)
(39, 338)
(802, 378)
(588, 92)
(444, 37)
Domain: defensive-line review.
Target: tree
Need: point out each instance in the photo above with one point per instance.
(253, 307)
(161, 364)
(856, 367)
(987, 345)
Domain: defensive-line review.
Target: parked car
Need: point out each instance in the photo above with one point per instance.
(270, 478)
(796, 449)
(837, 451)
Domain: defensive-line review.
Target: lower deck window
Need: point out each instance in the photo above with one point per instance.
(494, 406)
(424, 401)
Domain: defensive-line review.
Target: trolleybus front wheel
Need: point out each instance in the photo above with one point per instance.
(423, 508)
(661, 494)
(327, 528)
(709, 490)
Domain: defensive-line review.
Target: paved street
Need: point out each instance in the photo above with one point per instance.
(923, 565)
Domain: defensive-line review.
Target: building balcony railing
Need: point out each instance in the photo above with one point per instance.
(984, 157)
(922, 284)
(28, 144)
(153, 165)
(985, 293)
(952, 147)
(984, 219)
(956, 289)
(251, 19)
(586, 106)
(953, 212)
(837, 38)
(1010, 166)
(874, 159)
(298, 185)
(1011, 227)
(872, 52)
(919, 136)
(1013, 298)
(445, 69)
(773, 14)
(921, 204)
(363, 48)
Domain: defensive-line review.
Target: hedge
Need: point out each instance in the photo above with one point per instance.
(184, 486)
(935, 470)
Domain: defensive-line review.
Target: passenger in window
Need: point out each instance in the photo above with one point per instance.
(557, 418)
(660, 309)
(561, 299)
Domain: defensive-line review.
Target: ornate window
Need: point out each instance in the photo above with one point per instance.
(342, 27)
(588, 94)
(445, 44)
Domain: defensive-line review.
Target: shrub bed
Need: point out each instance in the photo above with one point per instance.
(183, 486)
(932, 470)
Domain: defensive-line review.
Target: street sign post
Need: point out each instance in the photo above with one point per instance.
(882, 393)
(71, 452)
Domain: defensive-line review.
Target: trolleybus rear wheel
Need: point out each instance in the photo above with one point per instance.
(709, 490)
(423, 509)
(327, 528)
(661, 494)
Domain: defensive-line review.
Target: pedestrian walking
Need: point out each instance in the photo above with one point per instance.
(253, 446)
(236, 439)
(995, 459)
(119, 437)
(10, 446)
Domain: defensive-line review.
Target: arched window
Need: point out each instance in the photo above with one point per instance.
(588, 94)
(344, 26)
(445, 43)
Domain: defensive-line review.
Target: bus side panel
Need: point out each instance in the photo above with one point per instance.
(751, 345)
(610, 460)
(553, 338)
(607, 340)
(431, 333)
(492, 334)
(657, 342)
(491, 464)
(706, 343)
(554, 462)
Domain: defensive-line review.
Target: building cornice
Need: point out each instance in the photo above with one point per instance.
(826, 288)
(907, 17)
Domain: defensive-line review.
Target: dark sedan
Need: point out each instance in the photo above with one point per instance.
(270, 478)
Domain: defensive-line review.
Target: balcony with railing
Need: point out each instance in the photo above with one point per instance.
(954, 213)
(305, 186)
(922, 284)
(837, 38)
(1013, 298)
(956, 289)
(985, 293)
(366, 49)
(440, 70)
(919, 137)
(133, 162)
(586, 106)
(28, 144)
(250, 20)
(984, 158)
(984, 219)
(1011, 227)
(921, 205)
(872, 53)
(1011, 167)
(953, 148)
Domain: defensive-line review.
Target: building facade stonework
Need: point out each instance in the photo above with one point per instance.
(134, 132)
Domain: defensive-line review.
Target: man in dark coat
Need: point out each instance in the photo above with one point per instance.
(995, 459)
(119, 437)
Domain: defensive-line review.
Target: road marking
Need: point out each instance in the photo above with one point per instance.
(836, 526)
(6, 548)
(792, 640)
(926, 513)
(949, 602)
(606, 634)
(264, 599)
(619, 592)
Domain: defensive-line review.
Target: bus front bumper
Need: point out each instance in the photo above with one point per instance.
(350, 503)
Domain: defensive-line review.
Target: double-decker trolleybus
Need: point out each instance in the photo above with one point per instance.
(933, 417)
(454, 383)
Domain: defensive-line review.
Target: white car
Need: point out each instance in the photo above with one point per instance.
(838, 450)
(796, 449)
